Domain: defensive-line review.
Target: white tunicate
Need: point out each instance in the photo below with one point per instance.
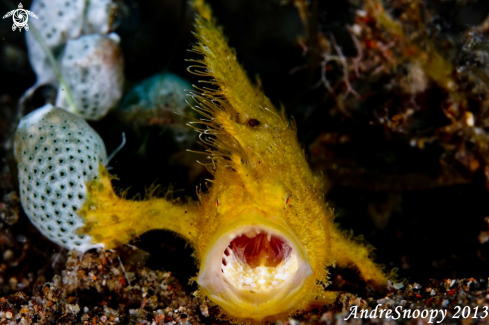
(57, 153)
(61, 20)
(100, 17)
(93, 69)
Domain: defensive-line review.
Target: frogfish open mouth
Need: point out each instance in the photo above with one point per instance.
(263, 236)
(253, 265)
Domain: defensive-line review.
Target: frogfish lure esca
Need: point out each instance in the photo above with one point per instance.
(263, 236)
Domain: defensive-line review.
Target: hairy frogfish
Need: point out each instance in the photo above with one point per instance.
(263, 236)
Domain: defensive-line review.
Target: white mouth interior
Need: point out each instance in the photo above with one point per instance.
(254, 268)
(258, 261)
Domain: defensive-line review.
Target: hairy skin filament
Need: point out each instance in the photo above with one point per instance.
(262, 234)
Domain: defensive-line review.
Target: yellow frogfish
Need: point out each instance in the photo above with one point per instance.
(263, 236)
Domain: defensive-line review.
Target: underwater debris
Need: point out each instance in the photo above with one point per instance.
(9, 211)
(127, 292)
(484, 235)
(92, 66)
(57, 153)
(416, 86)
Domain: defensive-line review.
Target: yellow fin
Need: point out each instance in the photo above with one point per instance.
(113, 220)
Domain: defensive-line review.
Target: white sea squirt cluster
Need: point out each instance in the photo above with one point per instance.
(57, 153)
(64, 26)
(61, 20)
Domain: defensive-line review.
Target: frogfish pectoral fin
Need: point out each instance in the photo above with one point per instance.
(351, 253)
(113, 220)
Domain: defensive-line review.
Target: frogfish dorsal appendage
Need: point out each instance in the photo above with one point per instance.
(263, 236)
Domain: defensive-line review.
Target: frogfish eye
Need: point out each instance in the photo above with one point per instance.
(254, 269)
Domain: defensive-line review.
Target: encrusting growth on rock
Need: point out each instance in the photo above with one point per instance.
(262, 234)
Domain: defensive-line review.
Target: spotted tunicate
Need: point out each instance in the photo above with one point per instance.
(57, 154)
(61, 20)
(93, 69)
(100, 17)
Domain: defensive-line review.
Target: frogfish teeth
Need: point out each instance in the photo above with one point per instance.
(263, 236)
